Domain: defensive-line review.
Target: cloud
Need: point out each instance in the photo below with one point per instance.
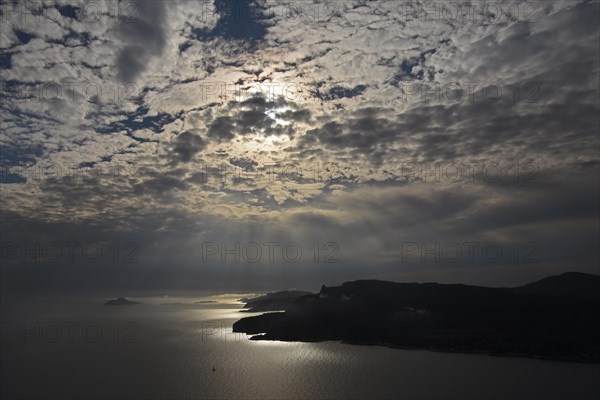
(379, 106)
(186, 145)
(144, 38)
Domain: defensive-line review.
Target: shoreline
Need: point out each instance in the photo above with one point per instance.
(262, 338)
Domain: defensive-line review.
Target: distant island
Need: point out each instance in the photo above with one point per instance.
(554, 318)
(121, 301)
(277, 301)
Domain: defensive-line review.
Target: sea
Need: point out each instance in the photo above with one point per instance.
(184, 348)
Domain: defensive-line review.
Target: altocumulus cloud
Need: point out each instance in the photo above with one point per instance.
(184, 100)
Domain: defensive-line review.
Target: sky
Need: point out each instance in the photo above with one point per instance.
(260, 145)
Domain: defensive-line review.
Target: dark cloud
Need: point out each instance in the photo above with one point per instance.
(365, 131)
(244, 163)
(222, 128)
(145, 38)
(295, 115)
(186, 145)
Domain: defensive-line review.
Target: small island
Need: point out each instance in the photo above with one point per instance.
(121, 301)
(555, 318)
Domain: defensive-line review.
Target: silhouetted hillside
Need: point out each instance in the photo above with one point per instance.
(276, 301)
(440, 317)
(121, 301)
(576, 284)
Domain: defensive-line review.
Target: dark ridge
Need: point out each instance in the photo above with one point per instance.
(555, 318)
(576, 284)
(276, 301)
(121, 301)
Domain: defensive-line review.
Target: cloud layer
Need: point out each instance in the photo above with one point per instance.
(364, 124)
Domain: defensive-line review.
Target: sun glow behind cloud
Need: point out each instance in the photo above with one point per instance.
(340, 119)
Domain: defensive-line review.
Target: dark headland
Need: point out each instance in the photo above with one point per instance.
(555, 318)
(276, 301)
(121, 301)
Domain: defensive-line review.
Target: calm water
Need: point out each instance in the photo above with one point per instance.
(151, 350)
